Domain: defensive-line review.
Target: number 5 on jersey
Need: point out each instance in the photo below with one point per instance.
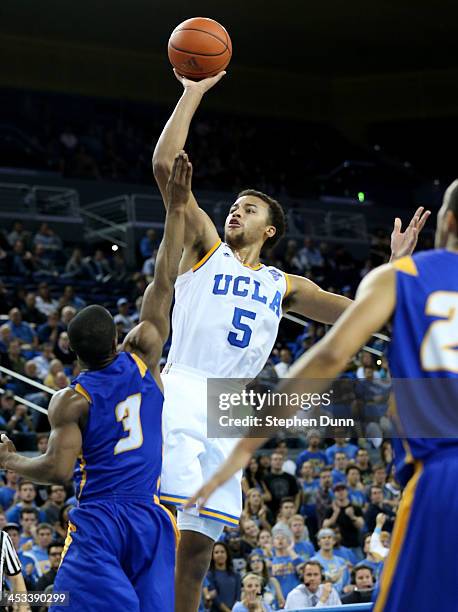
(128, 412)
(233, 337)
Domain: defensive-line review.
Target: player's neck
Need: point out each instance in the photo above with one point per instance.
(247, 255)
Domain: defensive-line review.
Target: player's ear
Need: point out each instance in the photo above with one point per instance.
(270, 231)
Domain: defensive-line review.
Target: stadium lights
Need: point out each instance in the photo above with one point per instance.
(114, 247)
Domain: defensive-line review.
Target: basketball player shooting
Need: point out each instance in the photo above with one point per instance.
(106, 428)
(228, 306)
(420, 295)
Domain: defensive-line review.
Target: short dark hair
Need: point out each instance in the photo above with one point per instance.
(361, 567)
(33, 511)
(351, 467)
(91, 333)
(276, 214)
(55, 544)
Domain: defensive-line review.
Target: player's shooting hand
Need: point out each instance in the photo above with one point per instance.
(178, 187)
(404, 243)
(202, 86)
(6, 447)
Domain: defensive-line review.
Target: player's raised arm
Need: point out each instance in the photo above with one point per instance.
(308, 299)
(149, 336)
(171, 142)
(67, 410)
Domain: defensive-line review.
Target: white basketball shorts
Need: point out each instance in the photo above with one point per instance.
(189, 457)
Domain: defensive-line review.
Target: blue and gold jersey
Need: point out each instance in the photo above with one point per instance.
(425, 346)
(122, 440)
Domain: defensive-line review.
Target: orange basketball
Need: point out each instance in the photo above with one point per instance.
(199, 48)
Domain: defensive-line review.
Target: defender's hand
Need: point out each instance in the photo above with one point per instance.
(6, 448)
(178, 188)
(202, 86)
(404, 243)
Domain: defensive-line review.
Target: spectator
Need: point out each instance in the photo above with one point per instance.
(21, 260)
(280, 484)
(249, 532)
(49, 331)
(224, 585)
(9, 490)
(21, 330)
(363, 463)
(45, 303)
(30, 312)
(363, 581)
(365, 361)
(55, 502)
(123, 315)
(43, 262)
(29, 571)
(67, 314)
(348, 517)
(253, 479)
(271, 590)
(265, 544)
(251, 596)
(76, 266)
(343, 551)
(149, 266)
(98, 266)
(55, 550)
(6, 407)
(302, 545)
(54, 368)
(234, 544)
(309, 256)
(15, 357)
(341, 445)
(69, 298)
(119, 269)
(62, 350)
(148, 243)
(284, 364)
(376, 506)
(285, 562)
(313, 592)
(5, 302)
(335, 568)
(256, 510)
(42, 445)
(20, 421)
(371, 560)
(340, 466)
(18, 233)
(30, 370)
(310, 487)
(26, 495)
(28, 522)
(313, 454)
(43, 360)
(39, 551)
(324, 496)
(62, 381)
(355, 488)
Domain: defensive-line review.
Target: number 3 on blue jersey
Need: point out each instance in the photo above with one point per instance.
(128, 412)
(244, 340)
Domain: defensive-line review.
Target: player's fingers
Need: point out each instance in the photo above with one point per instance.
(183, 168)
(176, 162)
(397, 225)
(189, 175)
(423, 219)
(416, 217)
(178, 76)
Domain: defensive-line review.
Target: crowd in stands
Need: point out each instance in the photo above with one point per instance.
(311, 504)
(79, 137)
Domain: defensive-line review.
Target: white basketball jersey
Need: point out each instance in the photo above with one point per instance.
(226, 315)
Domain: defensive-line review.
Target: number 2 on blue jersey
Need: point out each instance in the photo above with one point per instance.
(233, 337)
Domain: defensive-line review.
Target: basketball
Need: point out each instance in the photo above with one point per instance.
(199, 48)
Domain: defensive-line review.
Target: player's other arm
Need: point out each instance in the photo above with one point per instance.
(66, 411)
(200, 228)
(149, 336)
(308, 299)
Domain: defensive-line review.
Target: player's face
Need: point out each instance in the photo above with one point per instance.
(248, 222)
